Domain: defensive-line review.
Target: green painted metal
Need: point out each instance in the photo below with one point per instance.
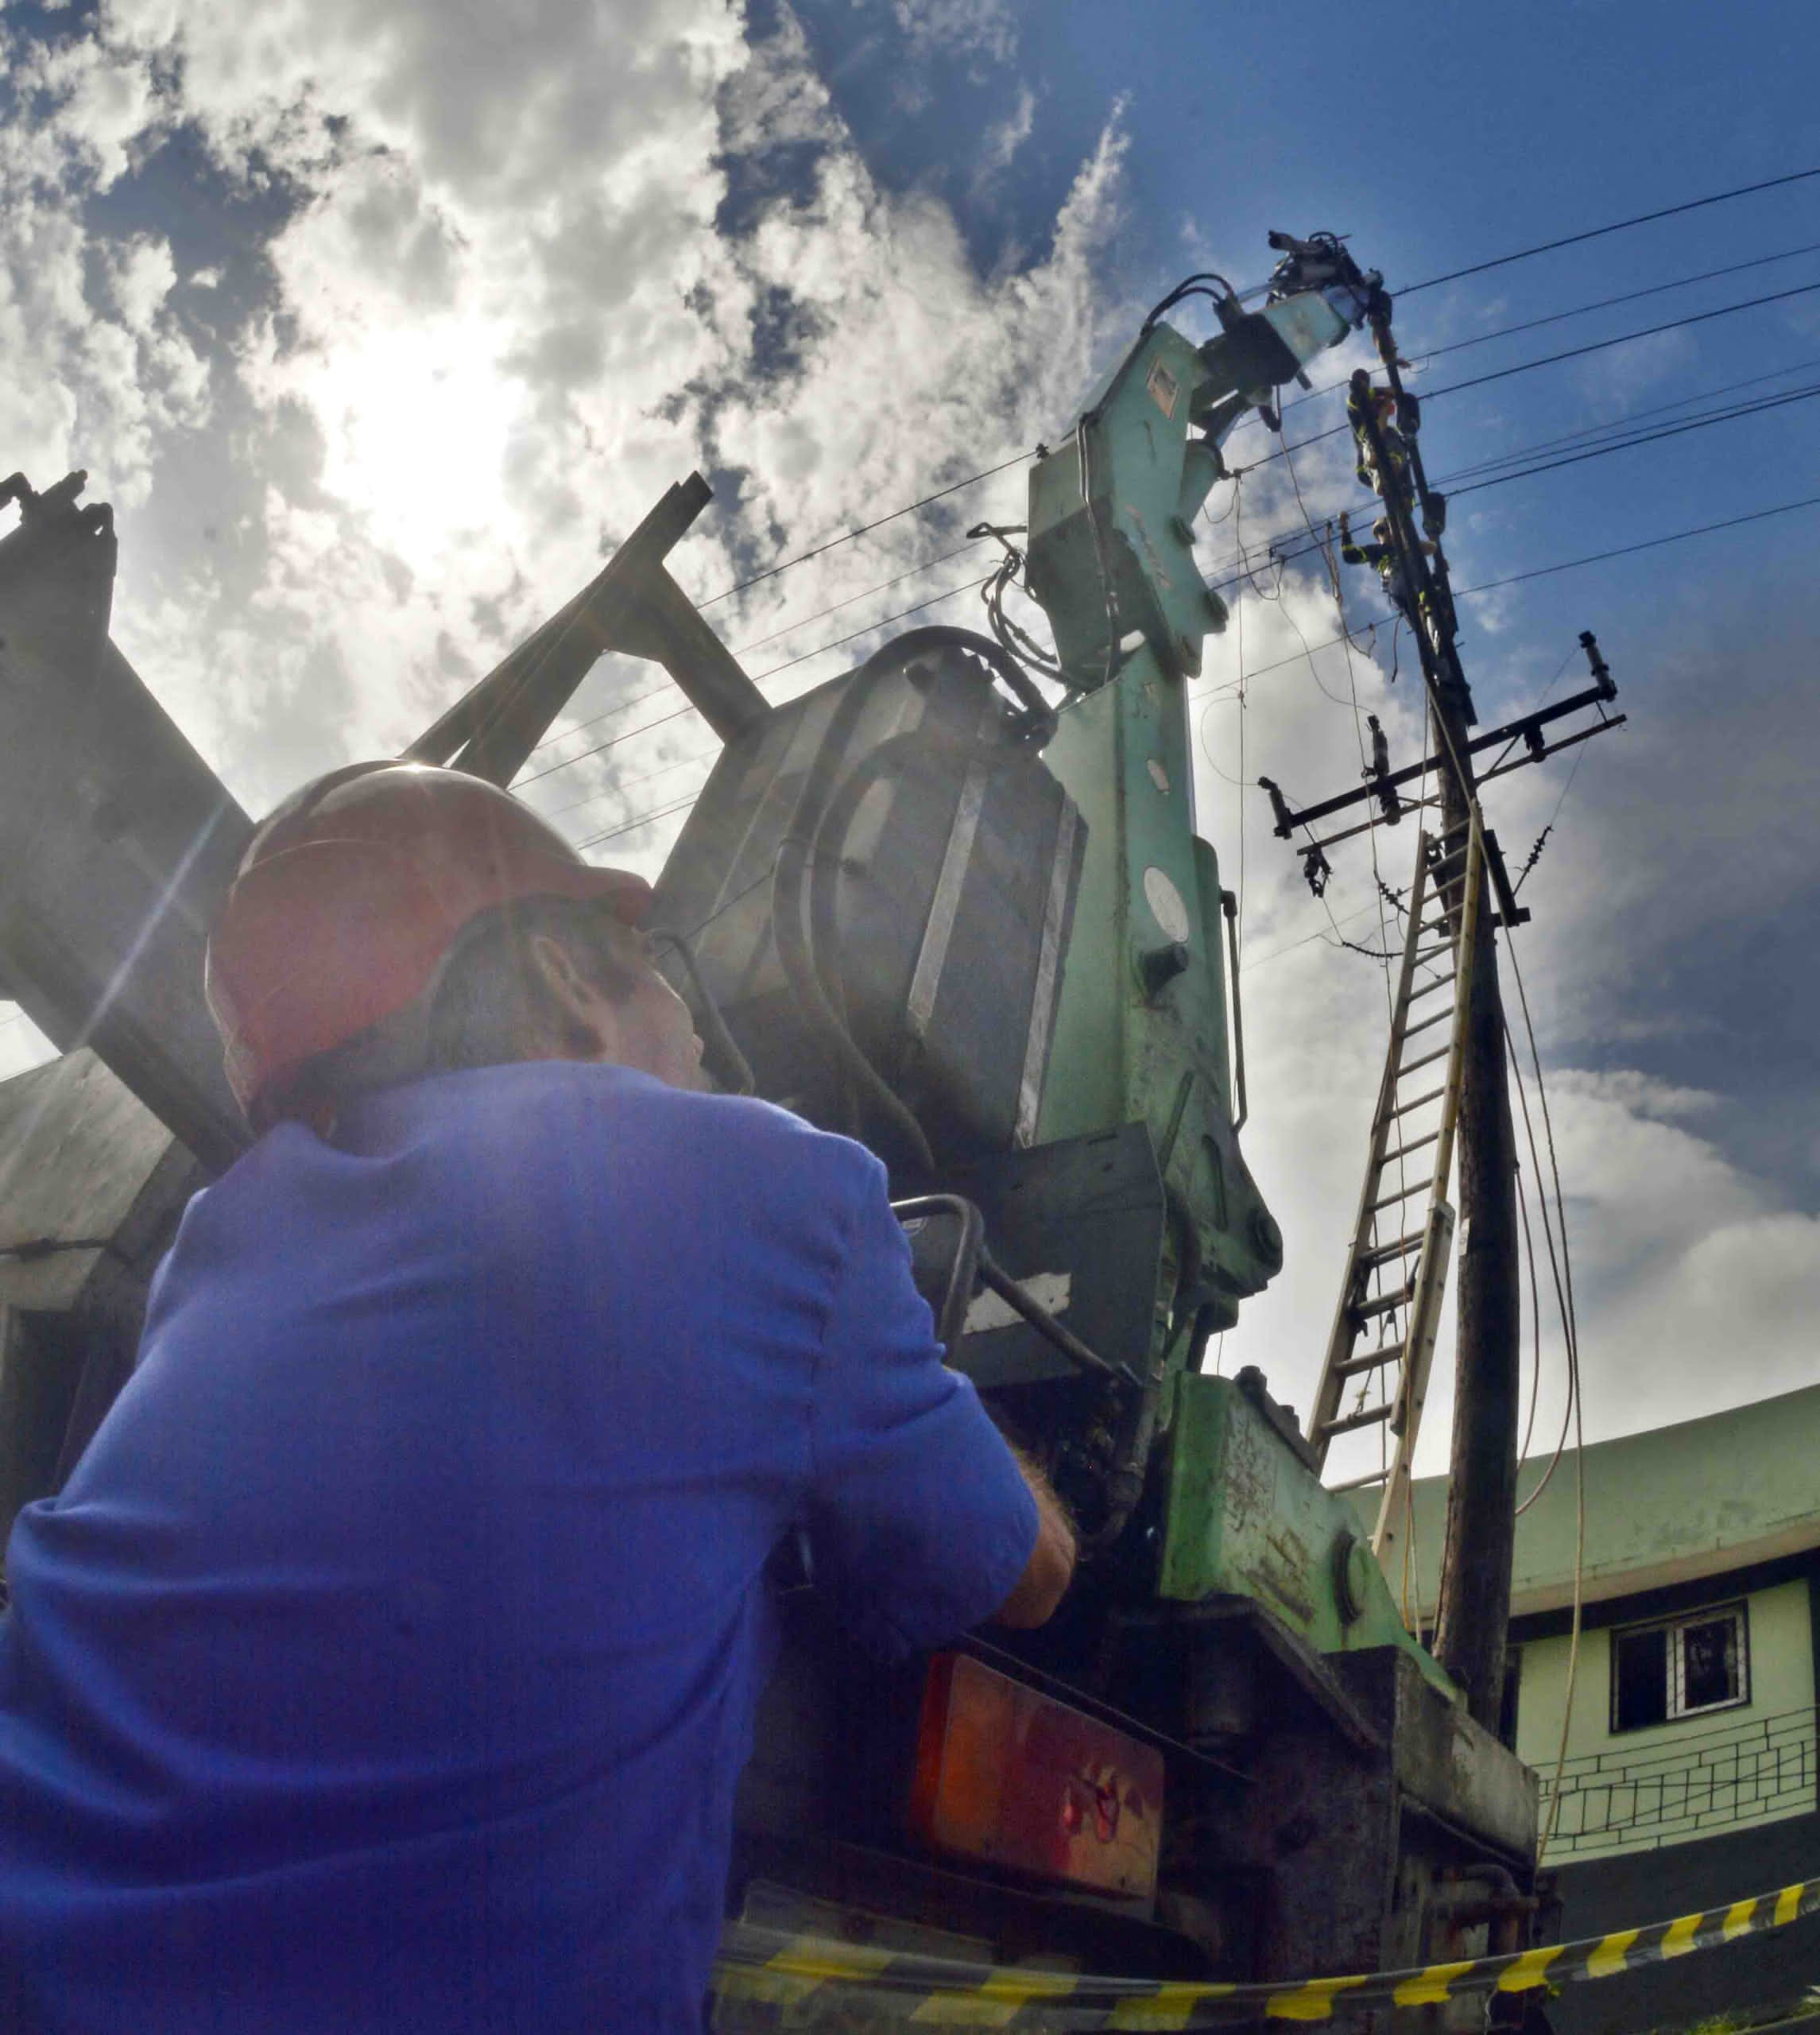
(1141, 1027)
(1247, 1518)
(1146, 492)
(1127, 1049)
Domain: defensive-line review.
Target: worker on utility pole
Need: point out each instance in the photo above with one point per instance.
(1383, 556)
(388, 1660)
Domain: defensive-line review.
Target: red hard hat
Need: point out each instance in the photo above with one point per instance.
(351, 893)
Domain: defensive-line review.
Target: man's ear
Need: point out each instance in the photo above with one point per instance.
(587, 1021)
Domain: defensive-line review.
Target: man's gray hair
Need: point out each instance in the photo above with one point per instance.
(488, 1006)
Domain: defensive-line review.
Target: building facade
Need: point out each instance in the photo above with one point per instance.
(1686, 1776)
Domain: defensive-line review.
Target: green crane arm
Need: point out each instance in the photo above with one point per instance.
(1141, 1029)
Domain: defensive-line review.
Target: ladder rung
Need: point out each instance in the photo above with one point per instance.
(1352, 1422)
(1364, 1311)
(1433, 953)
(1402, 1194)
(1427, 1060)
(1359, 1483)
(1433, 1095)
(1440, 981)
(1387, 1353)
(1440, 1018)
(1383, 1253)
(1415, 1144)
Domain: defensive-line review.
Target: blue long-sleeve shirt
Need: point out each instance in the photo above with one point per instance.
(388, 1660)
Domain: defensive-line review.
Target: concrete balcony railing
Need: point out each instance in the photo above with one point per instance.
(1685, 1785)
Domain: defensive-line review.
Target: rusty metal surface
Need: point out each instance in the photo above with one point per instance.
(1444, 1761)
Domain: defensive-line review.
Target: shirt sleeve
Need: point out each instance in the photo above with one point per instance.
(920, 1516)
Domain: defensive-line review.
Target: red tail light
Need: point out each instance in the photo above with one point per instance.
(1015, 1779)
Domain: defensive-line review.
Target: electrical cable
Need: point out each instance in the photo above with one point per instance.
(865, 529)
(1620, 434)
(1536, 572)
(1570, 1327)
(1558, 317)
(1554, 1269)
(1648, 543)
(1630, 420)
(1554, 359)
(1534, 1325)
(631, 826)
(834, 607)
(939, 494)
(757, 643)
(1598, 232)
(1461, 593)
(1283, 451)
(1731, 413)
(1568, 565)
(758, 678)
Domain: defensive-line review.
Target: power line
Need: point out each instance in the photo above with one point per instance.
(1598, 346)
(877, 523)
(1648, 543)
(631, 826)
(1731, 416)
(1004, 466)
(1372, 622)
(1630, 419)
(1730, 413)
(1614, 425)
(1558, 317)
(1483, 587)
(955, 487)
(1610, 303)
(758, 642)
(1617, 226)
(758, 678)
(1554, 359)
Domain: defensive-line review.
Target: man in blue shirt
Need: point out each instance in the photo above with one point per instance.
(388, 1661)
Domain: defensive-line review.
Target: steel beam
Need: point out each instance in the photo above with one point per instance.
(117, 840)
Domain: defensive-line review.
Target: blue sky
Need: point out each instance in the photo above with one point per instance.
(377, 322)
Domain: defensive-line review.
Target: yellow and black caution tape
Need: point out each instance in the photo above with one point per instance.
(770, 1968)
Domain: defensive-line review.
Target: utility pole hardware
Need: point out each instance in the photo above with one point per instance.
(1463, 875)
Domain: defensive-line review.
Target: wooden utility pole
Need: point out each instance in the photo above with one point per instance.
(1474, 1612)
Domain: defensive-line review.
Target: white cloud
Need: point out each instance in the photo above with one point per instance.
(1004, 137)
(967, 27)
(501, 318)
(503, 313)
(89, 383)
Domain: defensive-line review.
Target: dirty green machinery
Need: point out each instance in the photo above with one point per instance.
(954, 903)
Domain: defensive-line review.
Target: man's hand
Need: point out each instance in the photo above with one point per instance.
(1051, 1564)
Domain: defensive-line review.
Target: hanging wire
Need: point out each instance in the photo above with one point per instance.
(1570, 1327)
(865, 529)
(1575, 310)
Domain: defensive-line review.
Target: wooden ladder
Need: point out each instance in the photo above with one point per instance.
(1396, 1268)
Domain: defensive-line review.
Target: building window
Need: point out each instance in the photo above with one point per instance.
(1679, 1668)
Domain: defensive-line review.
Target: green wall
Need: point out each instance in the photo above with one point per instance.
(1667, 1506)
(1722, 1770)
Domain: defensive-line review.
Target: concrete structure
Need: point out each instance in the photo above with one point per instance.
(91, 1187)
(1689, 1777)
(1693, 1697)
